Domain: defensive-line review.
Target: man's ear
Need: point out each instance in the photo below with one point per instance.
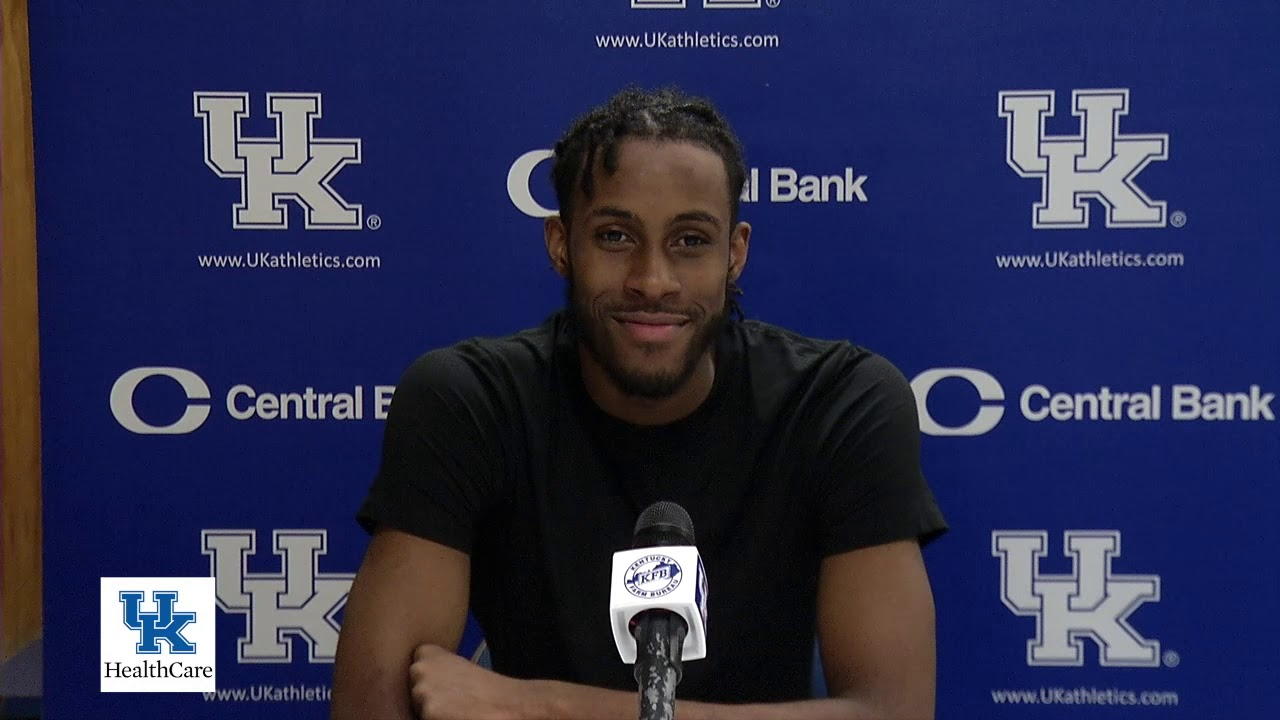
(556, 237)
(739, 246)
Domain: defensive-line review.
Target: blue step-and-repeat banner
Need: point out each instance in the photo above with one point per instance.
(1057, 218)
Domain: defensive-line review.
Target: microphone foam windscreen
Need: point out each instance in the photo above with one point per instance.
(666, 517)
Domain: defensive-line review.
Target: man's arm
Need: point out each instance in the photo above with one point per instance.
(440, 468)
(408, 591)
(876, 630)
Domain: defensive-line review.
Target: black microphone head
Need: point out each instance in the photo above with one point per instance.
(663, 523)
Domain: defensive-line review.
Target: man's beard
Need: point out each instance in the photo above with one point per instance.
(603, 346)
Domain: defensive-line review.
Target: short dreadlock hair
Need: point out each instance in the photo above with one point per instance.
(664, 114)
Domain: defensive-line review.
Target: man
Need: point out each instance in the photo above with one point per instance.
(513, 468)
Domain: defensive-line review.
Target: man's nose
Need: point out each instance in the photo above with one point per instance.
(651, 274)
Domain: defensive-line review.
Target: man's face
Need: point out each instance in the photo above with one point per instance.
(647, 259)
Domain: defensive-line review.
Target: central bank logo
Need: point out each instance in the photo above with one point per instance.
(298, 602)
(990, 395)
(773, 185)
(193, 415)
(293, 165)
(1178, 402)
(1099, 162)
(1091, 602)
(164, 624)
(243, 402)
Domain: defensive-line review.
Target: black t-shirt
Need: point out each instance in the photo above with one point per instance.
(804, 448)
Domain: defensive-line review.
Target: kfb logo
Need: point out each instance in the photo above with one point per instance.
(163, 624)
(298, 601)
(653, 576)
(713, 4)
(1091, 602)
(292, 165)
(1098, 163)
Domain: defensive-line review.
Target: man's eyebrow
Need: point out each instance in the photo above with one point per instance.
(613, 211)
(696, 216)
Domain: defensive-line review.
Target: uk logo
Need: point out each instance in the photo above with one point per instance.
(157, 634)
(1099, 162)
(712, 4)
(1091, 602)
(293, 165)
(164, 624)
(298, 602)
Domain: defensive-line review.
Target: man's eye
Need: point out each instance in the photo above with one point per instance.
(613, 236)
(689, 241)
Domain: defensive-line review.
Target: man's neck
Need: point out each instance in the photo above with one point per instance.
(642, 410)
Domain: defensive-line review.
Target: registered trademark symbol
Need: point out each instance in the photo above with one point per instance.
(773, 3)
(1178, 219)
(373, 222)
(1171, 658)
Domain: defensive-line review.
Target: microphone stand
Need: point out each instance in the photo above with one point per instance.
(659, 644)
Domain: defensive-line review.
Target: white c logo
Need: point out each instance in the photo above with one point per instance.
(122, 401)
(989, 390)
(518, 180)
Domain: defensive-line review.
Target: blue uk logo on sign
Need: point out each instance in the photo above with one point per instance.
(164, 624)
(158, 635)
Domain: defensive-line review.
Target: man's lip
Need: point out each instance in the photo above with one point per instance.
(651, 318)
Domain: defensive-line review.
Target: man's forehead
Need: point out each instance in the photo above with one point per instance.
(649, 169)
(682, 156)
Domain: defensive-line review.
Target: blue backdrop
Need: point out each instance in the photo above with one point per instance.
(198, 256)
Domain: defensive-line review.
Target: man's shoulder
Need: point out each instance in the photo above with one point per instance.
(816, 366)
(487, 363)
(772, 344)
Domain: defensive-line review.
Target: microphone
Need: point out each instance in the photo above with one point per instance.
(658, 605)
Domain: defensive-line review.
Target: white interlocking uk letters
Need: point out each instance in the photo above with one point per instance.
(1091, 602)
(293, 165)
(1099, 162)
(681, 4)
(297, 602)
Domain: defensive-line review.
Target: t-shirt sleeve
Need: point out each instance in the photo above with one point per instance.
(871, 488)
(441, 458)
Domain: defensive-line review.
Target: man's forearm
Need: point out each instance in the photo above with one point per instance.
(554, 700)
